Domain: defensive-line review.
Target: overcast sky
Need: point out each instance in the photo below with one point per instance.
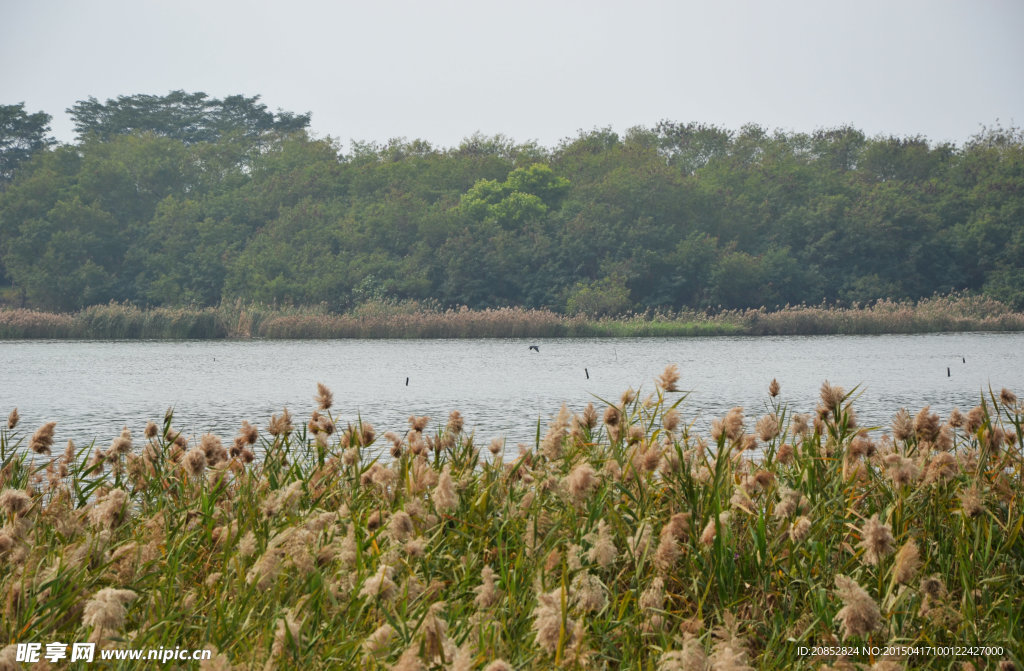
(534, 69)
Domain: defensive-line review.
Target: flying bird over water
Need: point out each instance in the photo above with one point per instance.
(535, 348)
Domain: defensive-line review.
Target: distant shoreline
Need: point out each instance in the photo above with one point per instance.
(953, 313)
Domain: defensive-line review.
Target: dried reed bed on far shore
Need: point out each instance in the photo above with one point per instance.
(621, 538)
(933, 315)
(958, 312)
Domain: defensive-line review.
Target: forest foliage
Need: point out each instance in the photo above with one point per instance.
(188, 201)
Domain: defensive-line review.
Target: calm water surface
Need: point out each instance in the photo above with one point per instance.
(501, 387)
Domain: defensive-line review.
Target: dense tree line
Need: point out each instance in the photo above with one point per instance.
(187, 200)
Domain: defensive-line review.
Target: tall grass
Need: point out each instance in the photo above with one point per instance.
(955, 312)
(620, 539)
(412, 319)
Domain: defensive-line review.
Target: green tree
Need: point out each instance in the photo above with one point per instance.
(187, 117)
(68, 259)
(604, 297)
(691, 146)
(737, 281)
(21, 135)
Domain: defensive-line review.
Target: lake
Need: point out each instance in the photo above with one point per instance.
(502, 387)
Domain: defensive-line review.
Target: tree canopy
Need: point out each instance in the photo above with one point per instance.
(188, 117)
(21, 135)
(186, 200)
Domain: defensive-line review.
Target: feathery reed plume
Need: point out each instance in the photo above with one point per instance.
(876, 541)
(733, 424)
(971, 502)
(690, 658)
(774, 388)
(14, 501)
(612, 415)
(741, 500)
(380, 585)
(487, 593)
(417, 424)
(445, 498)
(288, 630)
(1007, 397)
(902, 425)
(409, 660)
(378, 644)
(729, 652)
(322, 424)
(548, 620)
(901, 470)
(860, 614)
(367, 433)
(832, 397)
(926, 425)
(670, 420)
(800, 425)
(667, 553)
(652, 605)
(324, 397)
(790, 501)
(42, 439)
(416, 547)
(12, 419)
(109, 512)
(280, 425)
(218, 661)
(784, 455)
(212, 449)
(581, 481)
(400, 526)
(942, 467)
(194, 462)
(669, 378)
(944, 441)
(105, 611)
(590, 417)
(498, 665)
(678, 526)
(588, 593)
(552, 444)
(767, 427)
(122, 444)
(9, 656)
(434, 630)
(602, 545)
(455, 422)
(707, 536)
(907, 562)
(975, 418)
(933, 587)
(800, 529)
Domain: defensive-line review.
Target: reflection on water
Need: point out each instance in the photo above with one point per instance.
(502, 387)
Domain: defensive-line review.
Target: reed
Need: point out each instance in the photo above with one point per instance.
(413, 319)
(622, 538)
(955, 312)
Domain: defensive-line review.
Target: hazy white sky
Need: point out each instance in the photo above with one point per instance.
(534, 69)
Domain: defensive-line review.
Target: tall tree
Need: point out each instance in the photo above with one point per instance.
(21, 135)
(188, 117)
